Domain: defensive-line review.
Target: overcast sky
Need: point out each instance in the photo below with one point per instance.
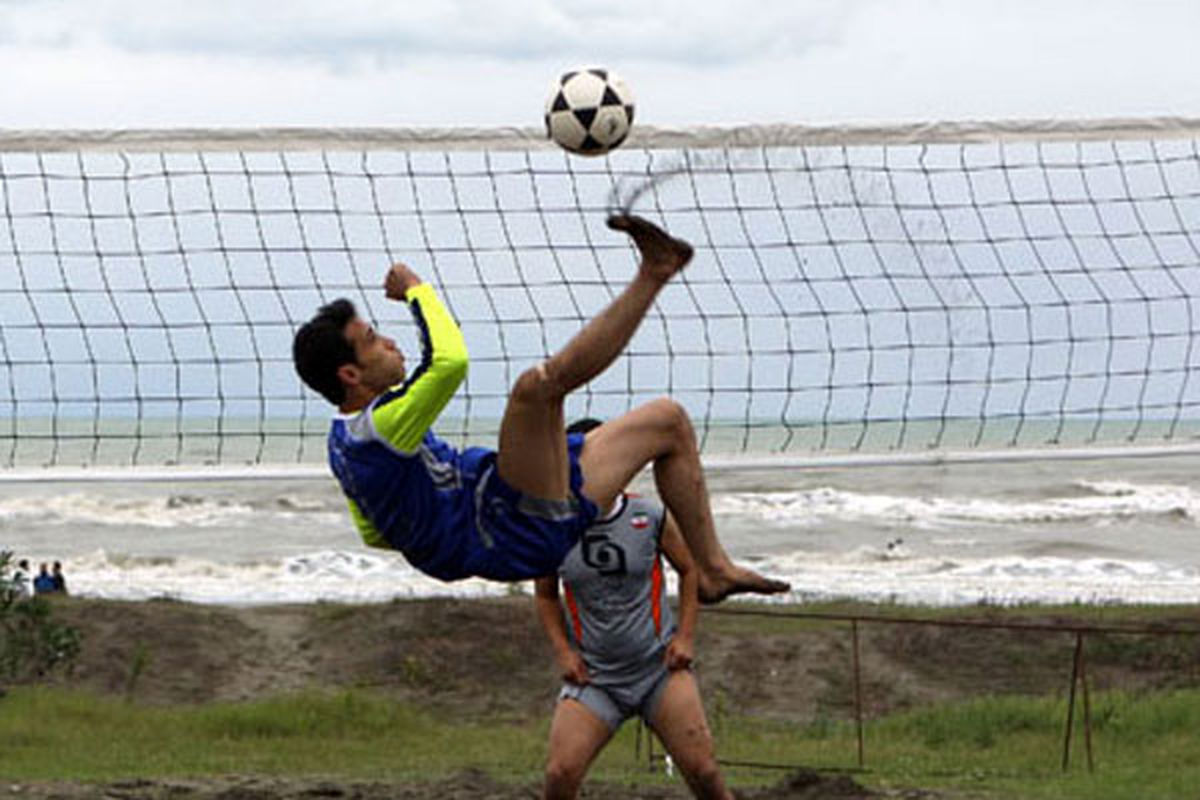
(167, 63)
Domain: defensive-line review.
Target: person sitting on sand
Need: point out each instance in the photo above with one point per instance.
(622, 653)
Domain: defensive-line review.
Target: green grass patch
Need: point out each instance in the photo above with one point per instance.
(1145, 746)
(53, 733)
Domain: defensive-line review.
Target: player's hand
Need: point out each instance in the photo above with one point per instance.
(679, 653)
(573, 669)
(399, 280)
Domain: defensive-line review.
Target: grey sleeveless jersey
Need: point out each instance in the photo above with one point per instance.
(615, 591)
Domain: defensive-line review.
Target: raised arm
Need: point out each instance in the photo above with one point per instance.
(681, 649)
(545, 598)
(403, 414)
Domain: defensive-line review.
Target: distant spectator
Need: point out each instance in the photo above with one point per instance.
(60, 581)
(44, 582)
(21, 579)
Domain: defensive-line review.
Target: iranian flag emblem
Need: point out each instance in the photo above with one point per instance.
(640, 521)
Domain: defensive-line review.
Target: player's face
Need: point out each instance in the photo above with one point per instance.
(380, 363)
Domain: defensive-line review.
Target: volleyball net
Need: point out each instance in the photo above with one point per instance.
(889, 292)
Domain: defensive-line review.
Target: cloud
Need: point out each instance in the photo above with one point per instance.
(135, 63)
(377, 32)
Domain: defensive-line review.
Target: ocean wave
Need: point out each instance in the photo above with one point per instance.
(1095, 502)
(1099, 502)
(338, 576)
(882, 574)
(175, 510)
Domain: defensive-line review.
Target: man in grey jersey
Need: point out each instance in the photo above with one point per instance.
(619, 649)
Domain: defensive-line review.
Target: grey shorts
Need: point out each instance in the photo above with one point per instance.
(615, 703)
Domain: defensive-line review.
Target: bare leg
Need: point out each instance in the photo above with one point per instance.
(679, 721)
(532, 451)
(603, 338)
(532, 455)
(576, 737)
(660, 432)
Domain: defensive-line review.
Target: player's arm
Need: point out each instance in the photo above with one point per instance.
(681, 650)
(404, 413)
(549, 611)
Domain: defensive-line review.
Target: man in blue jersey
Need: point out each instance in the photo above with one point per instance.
(511, 513)
(619, 649)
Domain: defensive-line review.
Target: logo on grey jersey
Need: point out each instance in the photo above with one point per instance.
(602, 554)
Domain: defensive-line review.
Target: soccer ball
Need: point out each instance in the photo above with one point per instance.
(589, 111)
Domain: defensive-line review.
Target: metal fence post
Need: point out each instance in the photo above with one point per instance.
(1087, 706)
(858, 717)
(1066, 759)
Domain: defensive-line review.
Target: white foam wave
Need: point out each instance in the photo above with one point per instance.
(326, 575)
(177, 510)
(895, 575)
(877, 574)
(1095, 502)
(1105, 501)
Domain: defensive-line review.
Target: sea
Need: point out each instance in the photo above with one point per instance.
(1096, 531)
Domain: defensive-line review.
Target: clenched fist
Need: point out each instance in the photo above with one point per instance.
(399, 280)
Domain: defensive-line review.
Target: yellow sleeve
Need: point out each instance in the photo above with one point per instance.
(370, 534)
(404, 413)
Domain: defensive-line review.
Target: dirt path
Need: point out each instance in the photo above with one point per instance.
(278, 655)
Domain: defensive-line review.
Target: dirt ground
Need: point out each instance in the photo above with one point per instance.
(469, 785)
(483, 658)
(488, 658)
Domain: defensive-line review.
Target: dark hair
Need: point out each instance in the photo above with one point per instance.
(321, 348)
(584, 425)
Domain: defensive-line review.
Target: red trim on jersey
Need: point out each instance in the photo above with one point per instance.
(656, 590)
(576, 623)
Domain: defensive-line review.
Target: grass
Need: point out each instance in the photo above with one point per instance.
(1144, 746)
(47, 733)
(1003, 746)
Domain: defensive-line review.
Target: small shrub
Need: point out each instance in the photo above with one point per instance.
(32, 643)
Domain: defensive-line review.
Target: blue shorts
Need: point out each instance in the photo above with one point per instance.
(526, 537)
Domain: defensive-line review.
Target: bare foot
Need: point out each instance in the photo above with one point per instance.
(738, 580)
(662, 254)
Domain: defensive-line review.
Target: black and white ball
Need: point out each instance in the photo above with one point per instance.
(589, 111)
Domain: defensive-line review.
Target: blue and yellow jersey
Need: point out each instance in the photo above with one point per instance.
(405, 486)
